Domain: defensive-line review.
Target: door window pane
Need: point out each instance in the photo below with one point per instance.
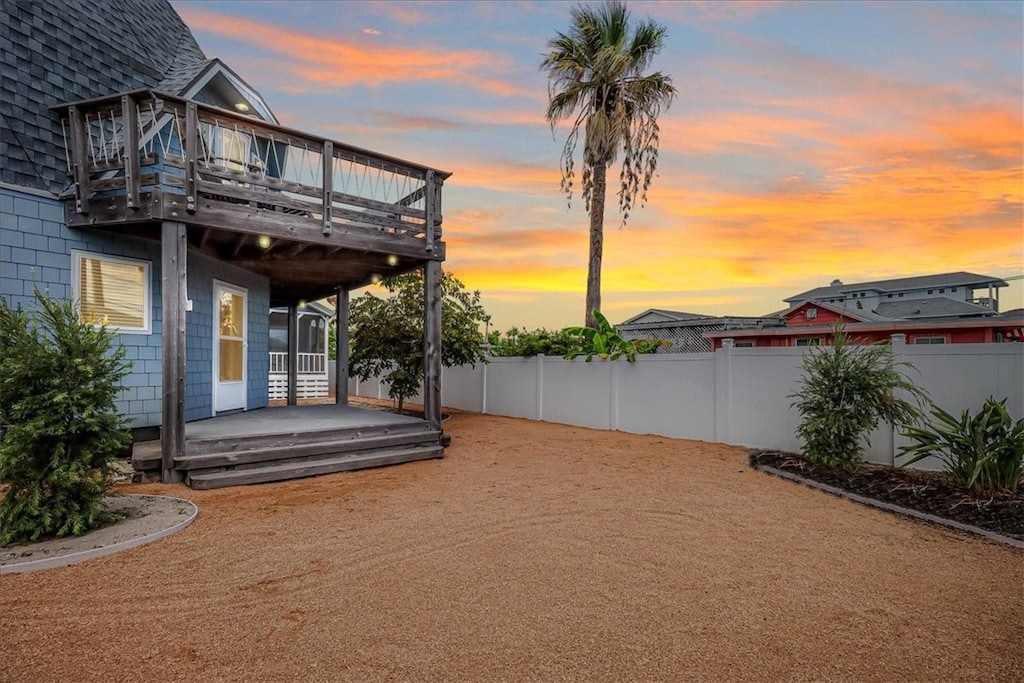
(232, 314)
(230, 360)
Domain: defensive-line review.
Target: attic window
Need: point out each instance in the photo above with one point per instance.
(811, 313)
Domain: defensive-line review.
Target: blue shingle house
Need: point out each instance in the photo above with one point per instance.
(155, 187)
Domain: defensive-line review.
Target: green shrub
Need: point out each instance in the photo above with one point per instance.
(526, 343)
(984, 453)
(845, 391)
(59, 378)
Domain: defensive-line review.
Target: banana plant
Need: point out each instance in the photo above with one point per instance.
(606, 343)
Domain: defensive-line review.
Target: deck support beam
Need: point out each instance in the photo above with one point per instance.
(432, 343)
(341, 348)
(174, 295)
(293, 354)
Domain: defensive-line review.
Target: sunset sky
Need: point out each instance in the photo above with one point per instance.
(809, 141)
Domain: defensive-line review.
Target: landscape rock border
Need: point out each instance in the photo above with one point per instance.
(889, 507)
(147, 519)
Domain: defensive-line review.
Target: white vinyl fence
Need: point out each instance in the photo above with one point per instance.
(736, 396)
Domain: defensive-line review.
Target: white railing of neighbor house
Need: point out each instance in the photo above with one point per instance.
(312, 375)
(308, 363)
(736, 396)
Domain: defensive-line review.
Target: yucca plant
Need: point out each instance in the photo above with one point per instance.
(983, 452)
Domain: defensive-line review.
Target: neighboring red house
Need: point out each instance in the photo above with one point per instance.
(931, 309)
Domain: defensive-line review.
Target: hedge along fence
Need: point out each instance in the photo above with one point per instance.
(736, 396)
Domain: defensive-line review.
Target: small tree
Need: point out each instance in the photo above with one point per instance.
(59, 378)
(846, 389)
(387, 332)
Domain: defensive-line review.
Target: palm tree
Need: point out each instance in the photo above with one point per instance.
(595, 74)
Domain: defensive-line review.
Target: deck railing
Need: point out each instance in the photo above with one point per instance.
(213, 159)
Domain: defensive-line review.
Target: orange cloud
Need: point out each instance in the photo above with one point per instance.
(320, 61)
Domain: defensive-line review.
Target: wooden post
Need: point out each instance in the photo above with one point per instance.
(130, 125)
(191, 145)
(432, 343)
(173, 249)
(341, 348)
(293, 354)
(328, 182)
(429, 209)
(79, 158)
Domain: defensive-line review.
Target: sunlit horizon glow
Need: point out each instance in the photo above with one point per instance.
(810, 141)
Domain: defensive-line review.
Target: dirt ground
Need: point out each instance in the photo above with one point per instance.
(531, 552)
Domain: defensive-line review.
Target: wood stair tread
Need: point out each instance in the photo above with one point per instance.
(240, 443)
(280, 471)
(300, 450)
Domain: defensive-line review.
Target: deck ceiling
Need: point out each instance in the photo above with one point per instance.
(297, 271)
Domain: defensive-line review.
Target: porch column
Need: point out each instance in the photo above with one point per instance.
(293, 354)
(174, 295)
(341, 348)
(432, 343)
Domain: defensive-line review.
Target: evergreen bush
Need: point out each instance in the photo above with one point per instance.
(59, 427)
(846, 389)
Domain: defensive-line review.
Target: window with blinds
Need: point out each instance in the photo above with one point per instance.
(112, 291)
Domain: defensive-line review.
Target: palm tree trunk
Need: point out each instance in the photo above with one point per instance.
(597, 193)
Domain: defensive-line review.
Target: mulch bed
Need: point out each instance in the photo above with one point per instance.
(931, 492)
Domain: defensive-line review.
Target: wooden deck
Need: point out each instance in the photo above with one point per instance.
(274, 444)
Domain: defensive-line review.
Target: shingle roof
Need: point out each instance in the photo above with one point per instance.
(180, 76)
(56, 51)
(940, 307)
(654, 315)
(958, 279)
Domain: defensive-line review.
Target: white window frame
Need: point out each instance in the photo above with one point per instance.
(931, 339)
(744, 344)
(808, 341)
(147, 287)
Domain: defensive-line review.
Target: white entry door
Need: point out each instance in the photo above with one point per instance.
(229, 347)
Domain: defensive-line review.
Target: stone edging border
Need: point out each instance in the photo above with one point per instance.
(82, 556)
(889, 507)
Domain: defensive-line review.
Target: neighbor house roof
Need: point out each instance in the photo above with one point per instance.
(958, 279)
(999, 323)
(93, 49)
(660, 315)
(940, 307)
(854, 314)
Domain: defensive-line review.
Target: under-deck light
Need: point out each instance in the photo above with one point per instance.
(392, 260)
(264, 241)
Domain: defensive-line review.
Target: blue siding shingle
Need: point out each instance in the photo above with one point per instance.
(36, 248)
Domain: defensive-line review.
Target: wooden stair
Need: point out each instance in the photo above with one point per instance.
(215, 462)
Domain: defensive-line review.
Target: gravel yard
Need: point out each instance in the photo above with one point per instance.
(533, 551)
